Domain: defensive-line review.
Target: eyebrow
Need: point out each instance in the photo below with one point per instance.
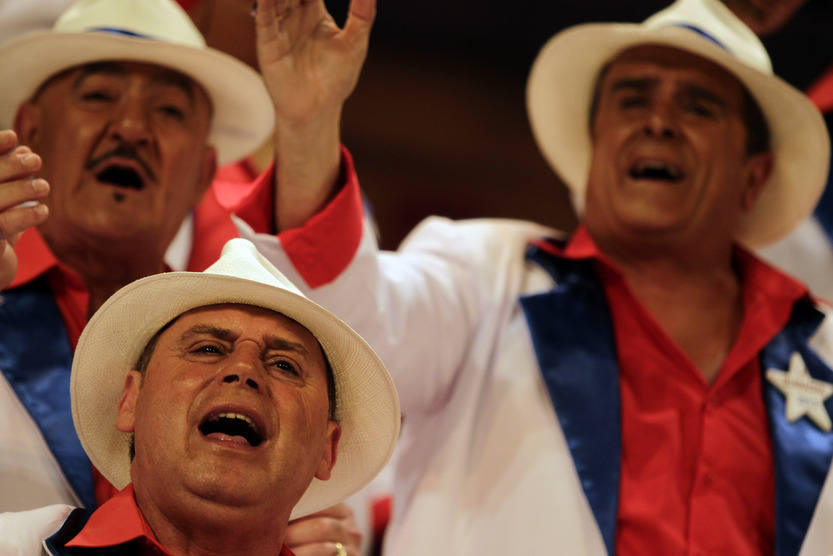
(108, 68)
(272, 342)
(178, 80)
(644, 83)
(634, 83)
(704, 94)
(167, 77)
(282, 344)
(206, 329)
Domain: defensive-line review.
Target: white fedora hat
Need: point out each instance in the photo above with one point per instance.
(150, 31)
(560, 89)
(367, 405)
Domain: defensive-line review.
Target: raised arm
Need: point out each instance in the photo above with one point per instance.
(310, 67)
(17, 164)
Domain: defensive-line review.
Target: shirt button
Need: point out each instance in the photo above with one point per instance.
(707, 479)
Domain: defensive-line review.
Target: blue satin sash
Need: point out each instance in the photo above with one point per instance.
(801, 450)
(36, 358)
(572, 334)
(573, 340)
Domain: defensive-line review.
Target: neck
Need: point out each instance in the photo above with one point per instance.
(205, 528)
(693, 293)
(105, 265)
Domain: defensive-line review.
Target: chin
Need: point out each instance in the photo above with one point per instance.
(117, 227)
(225, 488)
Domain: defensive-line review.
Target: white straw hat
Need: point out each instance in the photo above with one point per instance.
(367, 406)
(560, 89)
(150, 31)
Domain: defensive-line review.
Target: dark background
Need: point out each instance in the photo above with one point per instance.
(438, 125)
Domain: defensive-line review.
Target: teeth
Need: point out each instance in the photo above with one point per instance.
(233, 424)
(229, 415)
(655, 169)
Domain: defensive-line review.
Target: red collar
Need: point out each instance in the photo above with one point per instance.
(34, 258)
(119, 521)
(759, 279)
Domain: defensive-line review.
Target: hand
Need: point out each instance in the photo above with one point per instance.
(17, 164)
(310, 67)
(317, 534)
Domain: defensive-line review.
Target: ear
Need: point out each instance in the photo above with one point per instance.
(758, 171)
(27, 124)
(126, 417)
(208, 167)
(330, 451)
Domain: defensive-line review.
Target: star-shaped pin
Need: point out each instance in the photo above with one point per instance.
(805, 395)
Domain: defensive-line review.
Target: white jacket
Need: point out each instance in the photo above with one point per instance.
(484, 467)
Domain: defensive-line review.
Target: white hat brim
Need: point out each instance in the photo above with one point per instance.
(367, 403)
(560, 91)
(243, 114)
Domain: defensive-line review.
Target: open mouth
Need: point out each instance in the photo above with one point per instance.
(656, 170)
(121, 176)
(232, 424)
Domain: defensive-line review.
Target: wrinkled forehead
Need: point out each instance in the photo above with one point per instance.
(662, 58)
(652, 61)
(220, 310)
(154, 73)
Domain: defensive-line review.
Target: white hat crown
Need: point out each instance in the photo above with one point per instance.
(157, 19)
(240, 259)
(715, 22)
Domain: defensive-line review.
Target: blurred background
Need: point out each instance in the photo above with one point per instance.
(437, 124)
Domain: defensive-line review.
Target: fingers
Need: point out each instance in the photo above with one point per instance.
(273, 40)
(360, 17)
(17, 191)
(20, 194)
(8, 264)
(325, 549)
(8, 141)
(318, 533)
(17, 164)
(15, 220)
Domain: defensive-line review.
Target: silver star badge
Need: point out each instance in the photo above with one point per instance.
(805, 395)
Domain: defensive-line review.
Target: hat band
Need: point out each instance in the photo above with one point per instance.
(701, 32)
(119, 31)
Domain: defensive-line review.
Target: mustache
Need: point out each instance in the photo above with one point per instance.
(122, 151)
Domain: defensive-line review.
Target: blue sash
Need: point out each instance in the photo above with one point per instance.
(36, 358)
(572, 334)
(801, 450)
(573, 339)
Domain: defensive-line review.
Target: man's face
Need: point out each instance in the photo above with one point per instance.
(233, 409)
(669, 150)
(124, 147)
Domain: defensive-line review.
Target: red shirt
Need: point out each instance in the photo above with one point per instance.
(821, 91)
(119, 521)
(697, 466)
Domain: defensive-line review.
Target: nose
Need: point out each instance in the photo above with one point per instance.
(248, 381)
(244, 368)
(661, 123)
(130, 123)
